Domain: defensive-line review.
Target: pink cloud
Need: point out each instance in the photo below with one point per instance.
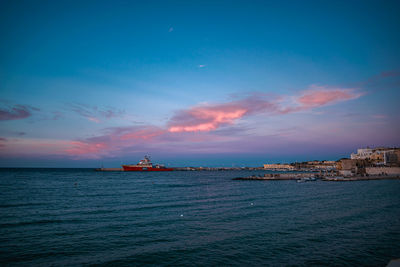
(206, 118)
(318, 96)
(210, 117)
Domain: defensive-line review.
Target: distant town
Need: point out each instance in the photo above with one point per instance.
(367, 161)
(372, 161)
(366, 164)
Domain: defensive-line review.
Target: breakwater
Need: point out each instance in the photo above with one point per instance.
(279, 176)
(315, 176)
(361, 178)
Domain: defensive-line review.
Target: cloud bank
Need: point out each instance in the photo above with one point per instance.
(211, 117)
(192, 125)
(200, 124)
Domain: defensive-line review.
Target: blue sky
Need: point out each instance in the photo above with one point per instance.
(196, 82)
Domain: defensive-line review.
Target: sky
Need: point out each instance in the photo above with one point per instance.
(196, 83)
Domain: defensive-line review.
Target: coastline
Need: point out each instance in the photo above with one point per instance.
(306, 177)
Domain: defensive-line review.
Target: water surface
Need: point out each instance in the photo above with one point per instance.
(83, 217)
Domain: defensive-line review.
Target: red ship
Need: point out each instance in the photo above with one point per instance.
(145, 165)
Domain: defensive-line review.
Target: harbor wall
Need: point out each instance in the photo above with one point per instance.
(288, 175)
(382, 170)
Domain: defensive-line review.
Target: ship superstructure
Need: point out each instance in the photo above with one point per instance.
(145, 165)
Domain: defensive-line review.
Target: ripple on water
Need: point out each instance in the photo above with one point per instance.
(75, 217)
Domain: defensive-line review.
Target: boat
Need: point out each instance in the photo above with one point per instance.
(145, 165)
(307, 179)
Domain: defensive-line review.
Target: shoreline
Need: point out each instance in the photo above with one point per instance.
(325, 179)
(360, 178)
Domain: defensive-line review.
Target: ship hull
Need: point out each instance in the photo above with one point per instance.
(145, 169)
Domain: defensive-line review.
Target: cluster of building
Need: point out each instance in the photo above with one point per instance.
(367, 161)
(378, 156)
(371, 161)
(217, 168)
(279, 167)
(314, 165)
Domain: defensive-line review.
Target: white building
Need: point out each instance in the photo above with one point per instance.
(362, 153)
(381, 155)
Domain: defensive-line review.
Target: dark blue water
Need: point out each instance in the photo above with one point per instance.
(83, 217)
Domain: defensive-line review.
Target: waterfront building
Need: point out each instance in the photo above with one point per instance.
(391, 157)
(350, 167)
(378, 156)
(326, 167)
(278, 166)
(370, 161)
(362, 153)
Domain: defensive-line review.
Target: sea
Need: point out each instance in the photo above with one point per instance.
(80, 217)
